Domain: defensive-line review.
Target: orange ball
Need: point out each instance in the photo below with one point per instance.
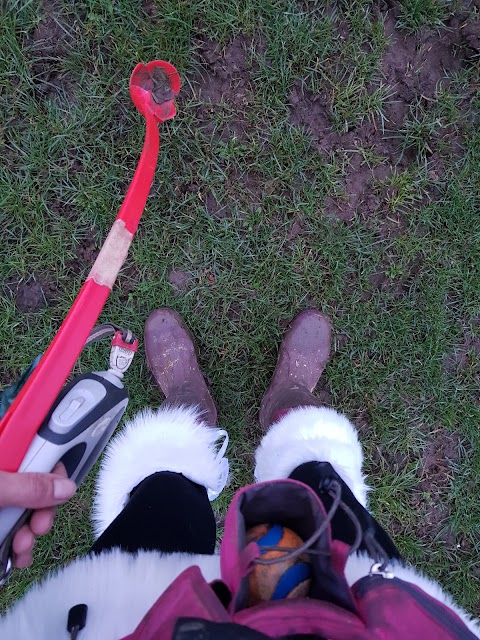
(290, 578)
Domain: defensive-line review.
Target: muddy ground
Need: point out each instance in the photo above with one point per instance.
(412, 69)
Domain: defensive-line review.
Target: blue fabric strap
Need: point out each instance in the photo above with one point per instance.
(292, 577)
(271, 538)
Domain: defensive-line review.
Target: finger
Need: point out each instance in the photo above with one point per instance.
(34, 490)
(42, 520)
(59, 470)
(23, 540)
(23, 560)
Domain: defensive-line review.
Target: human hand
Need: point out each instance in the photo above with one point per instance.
(41, 492)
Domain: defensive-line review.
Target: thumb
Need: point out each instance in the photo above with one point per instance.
(34, 490)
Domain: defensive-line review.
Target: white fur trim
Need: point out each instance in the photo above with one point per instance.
(312, 433)
(169, 439)
(359, 566)
(119, 588)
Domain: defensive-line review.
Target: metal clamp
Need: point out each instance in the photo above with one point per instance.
(5, 563)
(124, 347)
(381, 569)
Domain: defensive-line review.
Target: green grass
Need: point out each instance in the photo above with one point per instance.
(70, 157)
(415, 14)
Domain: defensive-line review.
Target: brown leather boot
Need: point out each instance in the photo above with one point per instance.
(303, 354)
(172, 359)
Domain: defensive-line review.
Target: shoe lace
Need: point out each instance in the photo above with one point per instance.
(375, 549)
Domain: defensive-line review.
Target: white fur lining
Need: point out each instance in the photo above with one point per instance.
(169, 439)
(312, 433)
(119, 588)
(358, 566)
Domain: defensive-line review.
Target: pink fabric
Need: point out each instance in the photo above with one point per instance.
(303, 616)
(189, 595)
(382, 609)
(279, 414)
(391, 613)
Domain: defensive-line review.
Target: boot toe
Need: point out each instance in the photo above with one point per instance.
(172, 359)
(303, 354)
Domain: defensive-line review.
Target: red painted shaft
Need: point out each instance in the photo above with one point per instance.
(24, 417)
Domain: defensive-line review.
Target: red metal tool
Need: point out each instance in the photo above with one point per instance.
(153, 88)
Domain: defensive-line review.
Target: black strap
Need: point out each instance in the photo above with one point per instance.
(102, 331)
(319, 476)
(199, 629)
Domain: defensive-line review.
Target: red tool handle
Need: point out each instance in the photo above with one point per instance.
(26, 414)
